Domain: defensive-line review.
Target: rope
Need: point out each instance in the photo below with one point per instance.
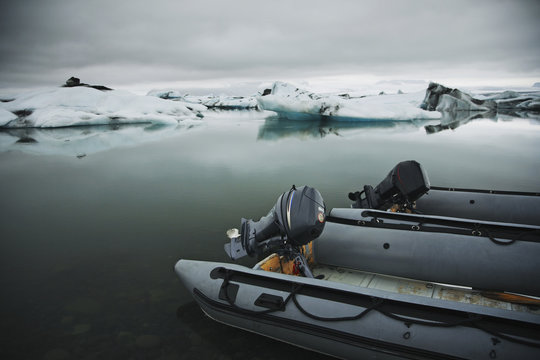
(473, 319)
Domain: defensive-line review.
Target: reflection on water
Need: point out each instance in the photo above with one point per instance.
(454, 119)
(84, 140)
(276, 127)
(87, 247)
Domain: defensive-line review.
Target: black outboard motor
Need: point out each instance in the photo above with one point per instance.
(403, 185)
(297, 218)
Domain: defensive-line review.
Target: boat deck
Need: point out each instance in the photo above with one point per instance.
(415, 287)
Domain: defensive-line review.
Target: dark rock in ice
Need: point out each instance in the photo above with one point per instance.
(266, 92)
(441, 98)
(23, 113)
(329, 109)
(99, 87)
(74, 82)
(21, 120)
(170, 95)
(26, 140)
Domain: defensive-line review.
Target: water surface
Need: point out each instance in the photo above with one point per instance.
(94, 219)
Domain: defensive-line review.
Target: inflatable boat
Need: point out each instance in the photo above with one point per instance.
(391, 277)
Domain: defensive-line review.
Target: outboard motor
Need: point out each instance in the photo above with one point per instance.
(403, 185)
(297, 218)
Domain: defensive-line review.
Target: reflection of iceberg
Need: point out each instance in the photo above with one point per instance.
(296, 104)
(82, 141)
(275, 127)
(451, 120)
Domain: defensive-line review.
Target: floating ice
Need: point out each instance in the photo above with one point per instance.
(294, 103)
(6, 117)
(223, 102)
(62, 107)
(442, 98)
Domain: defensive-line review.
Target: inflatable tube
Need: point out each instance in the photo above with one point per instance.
(356, 322)
(503, 206)
(482, 255)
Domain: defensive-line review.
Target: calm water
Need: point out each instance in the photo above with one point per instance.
(93, 220)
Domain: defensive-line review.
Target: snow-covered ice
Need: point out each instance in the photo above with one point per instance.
(291, 102)
(6, 117)
(441, 98)
(62, 107)
(225, 102)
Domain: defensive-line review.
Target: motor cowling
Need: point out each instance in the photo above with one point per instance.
(300, 214)
(403, 185)
(297, 218)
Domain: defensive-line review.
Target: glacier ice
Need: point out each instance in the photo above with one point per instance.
(292, 102)
(6, 117)
(223, 102)
(77, 106)
(441, 98)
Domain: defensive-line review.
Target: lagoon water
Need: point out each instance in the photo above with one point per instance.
(94, 219)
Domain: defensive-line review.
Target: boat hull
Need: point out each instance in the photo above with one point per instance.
(407, 245)
(502, 206)
(390, 327)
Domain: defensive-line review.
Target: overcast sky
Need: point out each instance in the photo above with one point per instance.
(127, 43)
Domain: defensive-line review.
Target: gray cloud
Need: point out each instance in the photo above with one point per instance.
(44, 42)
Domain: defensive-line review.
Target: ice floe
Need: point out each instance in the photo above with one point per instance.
(448, 100)
(6, 116)
(223, 102)
(292, 102)
(78, 106)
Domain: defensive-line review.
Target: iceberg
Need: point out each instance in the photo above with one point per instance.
(6, 117)
(294, 103)
(222, 102)
(83, 106)
(441, 98)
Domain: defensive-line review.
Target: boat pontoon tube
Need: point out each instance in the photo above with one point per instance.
(488, 205)
(483, 255)
(376, 324)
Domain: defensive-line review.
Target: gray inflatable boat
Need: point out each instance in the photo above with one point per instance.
(366, 282)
